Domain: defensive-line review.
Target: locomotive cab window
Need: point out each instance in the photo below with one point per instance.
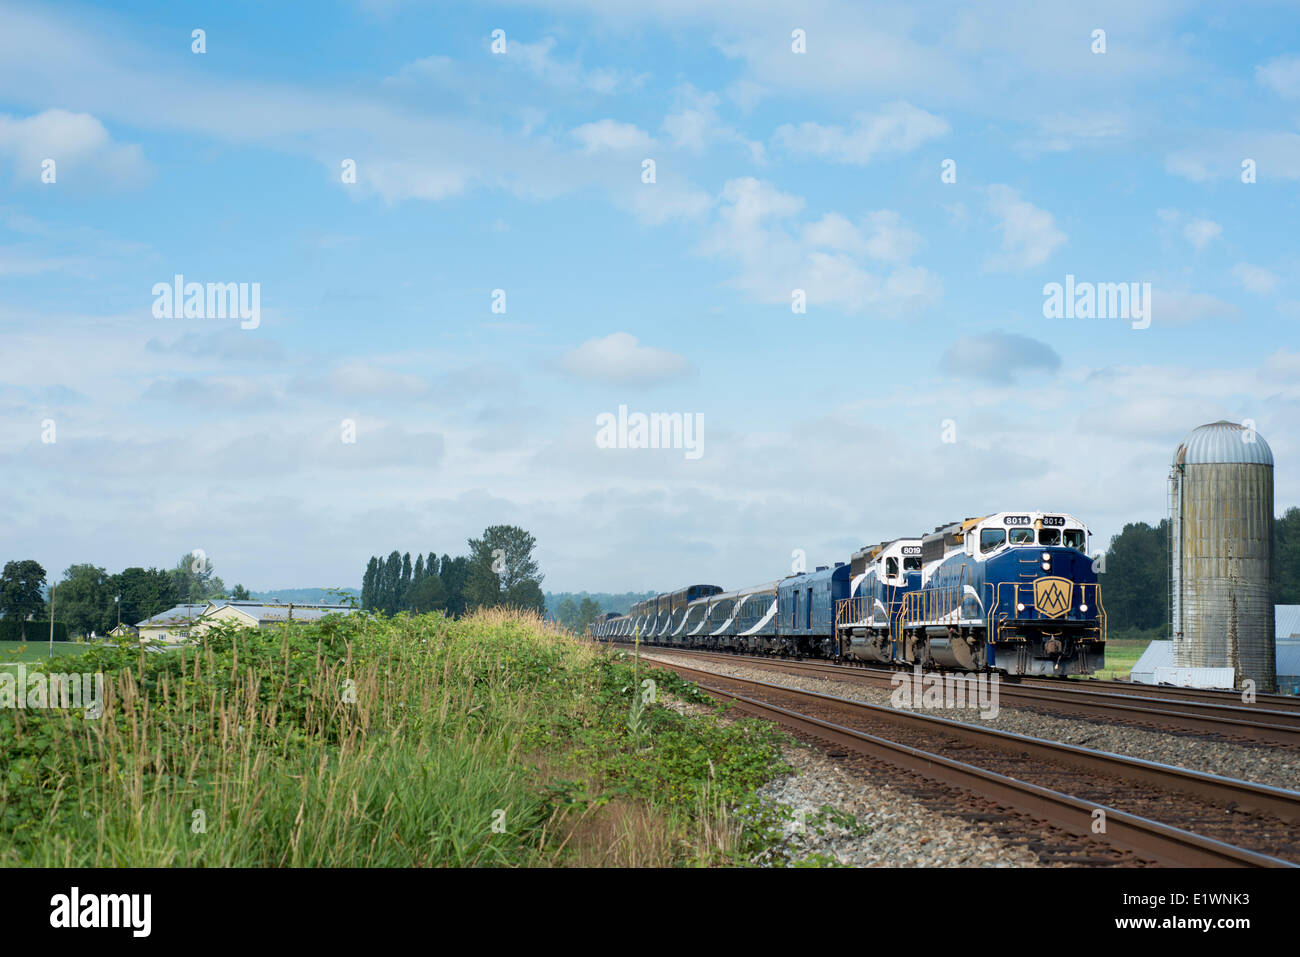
(911, 564)
(1022, 536)
(891, 567)
(991, 538)
(1049, 536)
(1076, 539)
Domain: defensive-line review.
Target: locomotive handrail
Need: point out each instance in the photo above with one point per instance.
(849, 610)
(934, 604)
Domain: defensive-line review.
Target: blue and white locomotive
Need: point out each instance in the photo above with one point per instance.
(1014, 592)
(868, 625)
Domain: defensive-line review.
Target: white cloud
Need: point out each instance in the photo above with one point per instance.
(664, 201)
(999, 357)
(828, 258)
(882, 236)
(620, 358)
(1200, 232)
(78, 143)
(537, 58)
(1218, 154)
(1176, 307)
(1029, 234)
(363, 378)
(212, 393)
(1281, 75)
(696, 125)
(22, 261)
(1061, 132)
(898, 128)
(1255, 279)
(612, 135)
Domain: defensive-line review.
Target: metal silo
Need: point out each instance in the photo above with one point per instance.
(1221, 552)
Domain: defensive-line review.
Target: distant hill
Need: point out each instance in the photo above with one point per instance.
(309, 596)
(607, 601)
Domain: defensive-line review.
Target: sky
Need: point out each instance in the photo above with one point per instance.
(820, 231)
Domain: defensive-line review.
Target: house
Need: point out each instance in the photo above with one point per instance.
(172, 625)
(264, 614)
(124, 631)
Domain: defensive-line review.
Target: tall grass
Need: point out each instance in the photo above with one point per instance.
(494, 740)
(364, 743)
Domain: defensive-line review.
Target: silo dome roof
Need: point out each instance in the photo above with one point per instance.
(1223, 441)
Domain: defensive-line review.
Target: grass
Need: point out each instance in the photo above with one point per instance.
(1121, 655)
(26, 651)
(415, 741)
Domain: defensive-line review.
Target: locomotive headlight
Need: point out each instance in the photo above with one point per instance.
(1047, 556)
(1047, 566)
(1083, 608)
(1020, 606)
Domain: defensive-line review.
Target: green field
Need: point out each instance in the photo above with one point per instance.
(1121, 655)
(15, 651)
(494, 740)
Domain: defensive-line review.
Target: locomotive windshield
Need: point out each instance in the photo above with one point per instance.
(1076, 539)
(1049, 536)
(912, 563)
(991, 538)
(1022, 536)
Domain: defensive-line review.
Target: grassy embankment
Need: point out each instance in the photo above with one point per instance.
(412, 741)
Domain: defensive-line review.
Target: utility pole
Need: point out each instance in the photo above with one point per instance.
(51, 620)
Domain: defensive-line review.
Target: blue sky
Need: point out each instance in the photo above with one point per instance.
(522, 171)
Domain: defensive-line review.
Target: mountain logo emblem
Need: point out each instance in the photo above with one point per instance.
(1052, 596)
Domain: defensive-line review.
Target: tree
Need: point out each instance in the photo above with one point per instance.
(370, 585)
(567, 614)
(240, 593)
(454, 572)
(417, 574)
(1286, 558)
(502, 570)
(85, 600)
(1135, 586)
(20, 591)
(143, 593)
(588, 612)
(389, 591)
(194, 579)
(404, 583)
(427, 595)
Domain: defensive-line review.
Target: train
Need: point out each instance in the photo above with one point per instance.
(1015, 593)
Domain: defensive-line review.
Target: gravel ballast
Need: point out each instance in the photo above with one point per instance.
(892, 828)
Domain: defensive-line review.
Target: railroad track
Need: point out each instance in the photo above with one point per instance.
(1234, 721)
(1273, 702)
(1152, 812)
